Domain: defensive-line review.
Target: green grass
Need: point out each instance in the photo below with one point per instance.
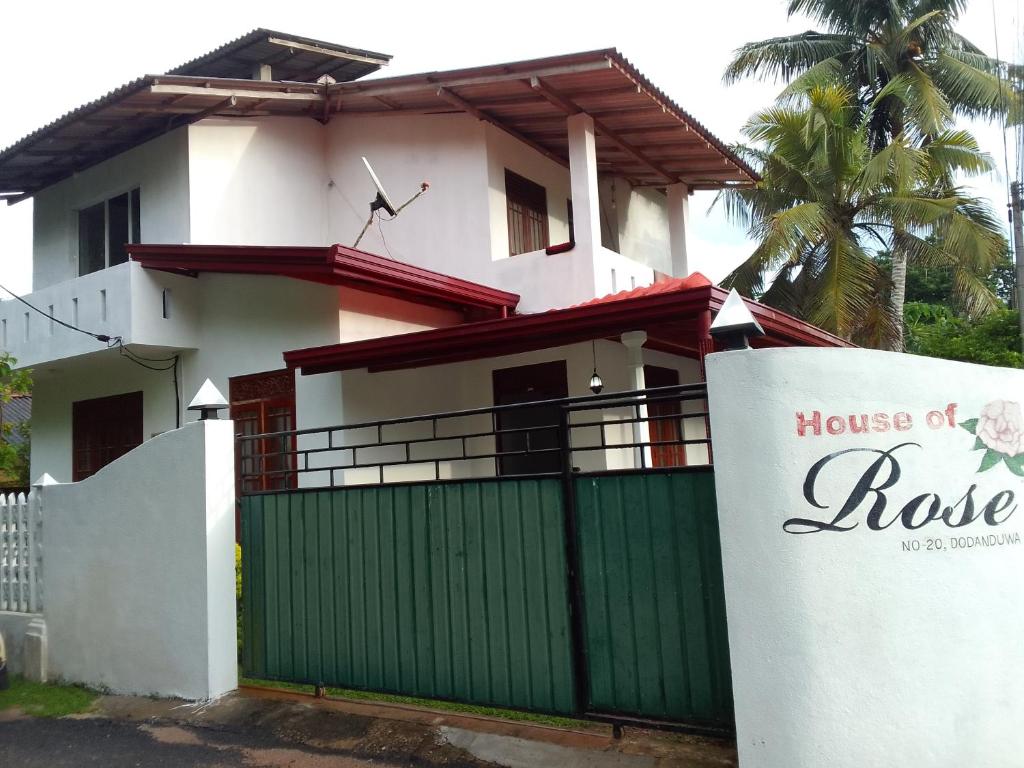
(45, 700)
(445, 706)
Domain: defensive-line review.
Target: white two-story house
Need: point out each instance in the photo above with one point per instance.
(198, 224)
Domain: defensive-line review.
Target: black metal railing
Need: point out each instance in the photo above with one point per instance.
(640, 430)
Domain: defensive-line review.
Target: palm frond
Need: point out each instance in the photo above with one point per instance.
(784, 57)
(971, 86)
(957, 151)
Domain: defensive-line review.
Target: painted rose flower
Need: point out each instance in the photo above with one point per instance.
(1001, 428)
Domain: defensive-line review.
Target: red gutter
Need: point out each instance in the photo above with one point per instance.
(332, 265)
(522, 333)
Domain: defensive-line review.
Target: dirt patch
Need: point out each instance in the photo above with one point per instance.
(171, 734)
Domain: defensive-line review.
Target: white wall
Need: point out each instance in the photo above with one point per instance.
(56, 386)
(260, 181)
(139, 569)
(369, 316)
(125, 301)
(159, 168)
(634, 223)
(898, 644)
(447, 228)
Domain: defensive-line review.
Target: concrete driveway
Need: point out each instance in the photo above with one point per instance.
(257, 729)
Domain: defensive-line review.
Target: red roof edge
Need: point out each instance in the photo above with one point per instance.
(332, 265)
(523, 333)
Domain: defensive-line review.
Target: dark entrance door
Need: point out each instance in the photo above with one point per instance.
(534, 431)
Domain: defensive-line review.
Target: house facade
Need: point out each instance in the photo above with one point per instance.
(186, 226)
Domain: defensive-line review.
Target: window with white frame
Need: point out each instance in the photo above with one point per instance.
(105, 228)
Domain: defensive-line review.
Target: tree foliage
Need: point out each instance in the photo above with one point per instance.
(14, 454)
(826, 203)
(908, 74)
(904, 61)
(935, 331)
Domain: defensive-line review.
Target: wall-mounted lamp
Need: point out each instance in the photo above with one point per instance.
(596, 385)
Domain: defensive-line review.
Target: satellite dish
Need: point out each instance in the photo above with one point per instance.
(382, 201)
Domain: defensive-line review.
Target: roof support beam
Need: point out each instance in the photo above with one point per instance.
(368, 89)
(453, 98)
(241, 93)
(571, 108)
(346, 55)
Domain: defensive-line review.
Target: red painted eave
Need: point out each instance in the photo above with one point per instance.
(665, 314)
(331, 265)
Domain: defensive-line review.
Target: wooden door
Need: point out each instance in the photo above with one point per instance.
(665, 419)
(524, 384)
(263, 403)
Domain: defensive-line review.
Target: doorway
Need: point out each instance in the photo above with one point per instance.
(262, 403)
(531, 433)
(665, 419)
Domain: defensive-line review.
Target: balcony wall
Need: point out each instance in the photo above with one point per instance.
(144, 308)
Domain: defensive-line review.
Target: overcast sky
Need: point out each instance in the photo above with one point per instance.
(58, 55)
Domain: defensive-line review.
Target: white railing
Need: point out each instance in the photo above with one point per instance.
(20, 553)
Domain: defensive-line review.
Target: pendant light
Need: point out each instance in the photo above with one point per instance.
(596, 385)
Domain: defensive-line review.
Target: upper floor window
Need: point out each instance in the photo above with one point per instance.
(105, 228)
(527, 214)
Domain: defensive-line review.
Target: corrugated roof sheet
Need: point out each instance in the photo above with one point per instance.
(236, 58)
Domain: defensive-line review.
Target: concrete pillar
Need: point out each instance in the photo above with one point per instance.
(634, 342)
(678, 223)
(586, 209)
(34, 651)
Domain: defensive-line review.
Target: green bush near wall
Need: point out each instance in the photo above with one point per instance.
(238, 597)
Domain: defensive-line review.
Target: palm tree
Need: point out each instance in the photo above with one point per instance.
(903, 60)
(906, 65)
(827, 203)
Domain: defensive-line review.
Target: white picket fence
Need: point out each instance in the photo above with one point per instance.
(20, 560)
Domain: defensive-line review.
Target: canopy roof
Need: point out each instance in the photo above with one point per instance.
(675, 314)
(642, 135)
(332, 265)
(291, 57)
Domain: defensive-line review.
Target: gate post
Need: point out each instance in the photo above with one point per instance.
(581, 680)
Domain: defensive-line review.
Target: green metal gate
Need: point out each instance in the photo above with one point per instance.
(570, 592)
(440, 590)
(461, 590)
(653, 600)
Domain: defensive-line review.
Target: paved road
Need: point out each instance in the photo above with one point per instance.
(73, 743)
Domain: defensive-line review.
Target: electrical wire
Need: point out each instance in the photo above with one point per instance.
(381, 230)
(1002, 99)
(98, 336)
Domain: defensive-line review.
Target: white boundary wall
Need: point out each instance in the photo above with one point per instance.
(139, 569)
(881, 626)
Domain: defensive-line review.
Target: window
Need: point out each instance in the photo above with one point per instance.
(103, 429)
(527, 214)
(103, 230)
